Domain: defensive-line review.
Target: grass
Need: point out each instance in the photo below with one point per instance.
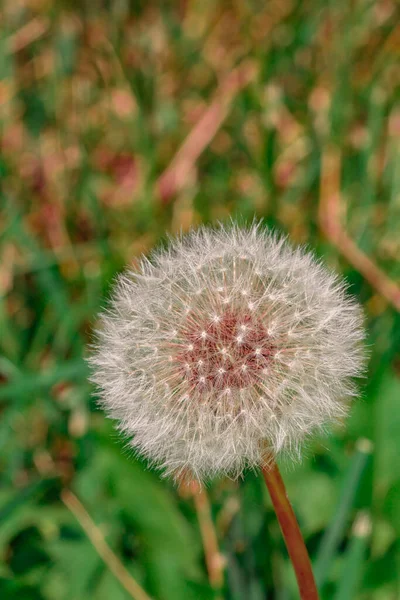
(96, 98)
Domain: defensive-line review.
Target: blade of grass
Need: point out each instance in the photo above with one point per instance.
(354, 558)
(97, 538)
(50, 282)
(336, 530)
(31, 383)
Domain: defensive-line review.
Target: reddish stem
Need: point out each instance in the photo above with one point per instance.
(291, 533)
(212, 555)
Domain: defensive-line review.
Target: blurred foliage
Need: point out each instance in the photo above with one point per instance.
(95, 99)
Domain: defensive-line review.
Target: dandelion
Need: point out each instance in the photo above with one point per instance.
(223, 351)
(226, 349)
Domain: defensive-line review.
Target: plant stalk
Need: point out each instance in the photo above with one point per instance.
(291, 532)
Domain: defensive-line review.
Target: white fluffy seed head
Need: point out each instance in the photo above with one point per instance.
(225, 349)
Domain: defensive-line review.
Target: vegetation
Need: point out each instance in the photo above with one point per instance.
(301, 131)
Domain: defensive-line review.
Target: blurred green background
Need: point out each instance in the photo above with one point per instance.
(96, 99)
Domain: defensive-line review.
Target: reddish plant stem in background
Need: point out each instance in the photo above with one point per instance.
(173, 179)
(96, 537)
(330, 223)
(291, 533)
(213, 558)
(28, 34)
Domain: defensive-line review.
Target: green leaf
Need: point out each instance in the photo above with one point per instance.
(9, 588)
(78, 564)
(170, 550)
(23, 496)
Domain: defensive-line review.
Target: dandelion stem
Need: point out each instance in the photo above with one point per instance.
(291, 532)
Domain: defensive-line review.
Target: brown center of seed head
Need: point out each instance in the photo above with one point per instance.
(232, 350)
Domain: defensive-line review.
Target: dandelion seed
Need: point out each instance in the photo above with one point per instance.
(284, 338)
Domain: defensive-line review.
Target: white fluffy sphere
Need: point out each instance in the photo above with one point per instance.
(225, 349)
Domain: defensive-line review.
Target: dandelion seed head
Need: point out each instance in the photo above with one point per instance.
(229, 346)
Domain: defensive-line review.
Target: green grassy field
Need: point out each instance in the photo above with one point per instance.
(96, 99)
